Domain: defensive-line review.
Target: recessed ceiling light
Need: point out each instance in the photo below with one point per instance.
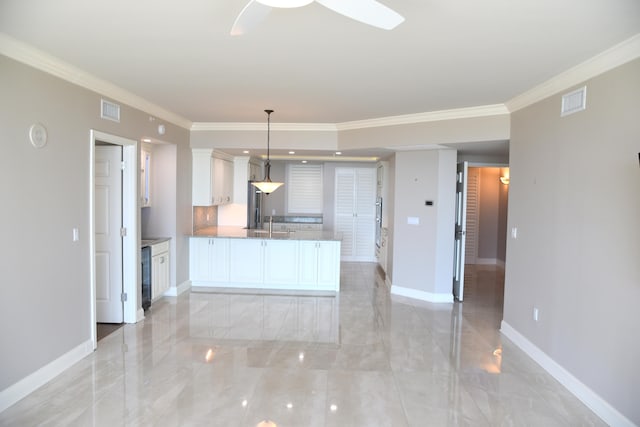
(338, 152)
(304, 161)
(146, 140)
(246, 151)
(292, 152)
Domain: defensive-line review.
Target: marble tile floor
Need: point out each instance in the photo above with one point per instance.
(363, 358)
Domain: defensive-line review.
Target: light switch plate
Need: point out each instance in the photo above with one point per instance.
(413, 220)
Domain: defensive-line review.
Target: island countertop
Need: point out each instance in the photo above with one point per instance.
(243, 233)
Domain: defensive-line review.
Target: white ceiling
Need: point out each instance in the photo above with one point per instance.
(312, 65)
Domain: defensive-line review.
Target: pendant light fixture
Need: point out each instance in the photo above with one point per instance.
(266, 185)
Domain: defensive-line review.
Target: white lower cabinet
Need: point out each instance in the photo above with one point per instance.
(209, 260)
(280, 263)
(265, 263)
(328, 258)
(160, 281)
(317, 261)
(246, 261)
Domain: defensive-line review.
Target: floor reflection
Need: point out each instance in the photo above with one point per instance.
(363, 358)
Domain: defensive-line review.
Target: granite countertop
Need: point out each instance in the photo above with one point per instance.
(150, 241)
(243, 233)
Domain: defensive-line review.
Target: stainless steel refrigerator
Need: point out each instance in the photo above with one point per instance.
(254, 206)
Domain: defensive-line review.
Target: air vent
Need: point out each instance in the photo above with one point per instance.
(573, 102)
(109, 110)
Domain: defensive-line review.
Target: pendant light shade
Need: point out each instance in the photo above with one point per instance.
(266, 185)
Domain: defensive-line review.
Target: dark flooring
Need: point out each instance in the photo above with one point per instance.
(104, 329)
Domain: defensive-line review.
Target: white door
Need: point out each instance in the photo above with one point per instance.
(345, 184)
(365, 210)
(472, 217)
(108, 222)
(355, 212)
(460, 231)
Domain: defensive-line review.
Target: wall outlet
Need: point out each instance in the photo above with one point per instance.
(514, 232)
(536, 314)
(75, 234)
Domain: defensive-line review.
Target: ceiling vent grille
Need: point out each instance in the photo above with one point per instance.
(573, 102)
(109, 110)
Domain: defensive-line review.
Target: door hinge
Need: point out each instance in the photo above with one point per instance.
(123, 165)
(123, 297)
(123, 232)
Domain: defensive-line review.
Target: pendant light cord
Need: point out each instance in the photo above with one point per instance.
(268, 130)
(268, 164)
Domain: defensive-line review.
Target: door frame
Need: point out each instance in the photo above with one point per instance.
(130, 219)
(475, 164)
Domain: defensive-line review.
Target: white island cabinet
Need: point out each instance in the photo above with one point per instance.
(209, 260)
(263, 263)
(245, 261)
(280, 263)
(317, 259)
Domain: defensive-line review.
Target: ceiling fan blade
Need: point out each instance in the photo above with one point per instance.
(366, 11)
(252, 14)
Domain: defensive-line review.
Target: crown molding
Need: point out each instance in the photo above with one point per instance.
(616, 56)
(459, 113)
(432, 116)
(239, 126)
(42, 61)
(619, 54)
(336, 159)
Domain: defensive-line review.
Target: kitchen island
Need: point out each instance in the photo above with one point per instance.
(234, 257)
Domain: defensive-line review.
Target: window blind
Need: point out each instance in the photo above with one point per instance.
(304, 188)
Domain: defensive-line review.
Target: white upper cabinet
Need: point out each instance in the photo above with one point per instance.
(212, 178)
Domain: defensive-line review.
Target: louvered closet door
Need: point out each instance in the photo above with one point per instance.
(365, 196)
(473, 209)
(345, 188)
(355, 212)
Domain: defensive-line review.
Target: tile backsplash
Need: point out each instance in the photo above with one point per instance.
(204, 216)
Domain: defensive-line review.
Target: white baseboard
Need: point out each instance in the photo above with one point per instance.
(596, 403)
(139, 315)
(180, 289)
(421, 295)
(30, 383)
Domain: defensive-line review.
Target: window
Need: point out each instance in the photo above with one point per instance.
(304, 188)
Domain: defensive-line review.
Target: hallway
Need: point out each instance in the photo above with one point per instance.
(362, 358)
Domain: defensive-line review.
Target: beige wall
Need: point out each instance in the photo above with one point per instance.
(422, 254)
(492, 216)
(45, 289)
(575, 199)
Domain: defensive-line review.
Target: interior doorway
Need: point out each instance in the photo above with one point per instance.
(487, 200)
(130, 266)
(486, 226)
